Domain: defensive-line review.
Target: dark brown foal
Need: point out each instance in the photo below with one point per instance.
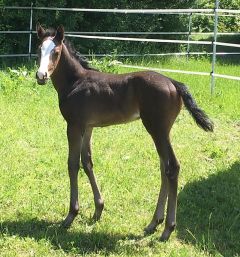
(89, 98)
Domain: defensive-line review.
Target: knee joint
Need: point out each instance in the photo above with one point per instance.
(172, 170)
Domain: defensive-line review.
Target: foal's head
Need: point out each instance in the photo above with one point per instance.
(50, 51)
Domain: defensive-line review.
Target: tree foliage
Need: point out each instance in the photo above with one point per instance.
(225, 23)
(18, 19)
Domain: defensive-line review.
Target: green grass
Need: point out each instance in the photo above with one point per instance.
(34, 187)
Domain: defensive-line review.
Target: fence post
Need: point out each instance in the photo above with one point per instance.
(214, 45)
(189, 34)
(30, 33)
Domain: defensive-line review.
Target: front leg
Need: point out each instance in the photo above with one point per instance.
(86, 158)
(75, 135)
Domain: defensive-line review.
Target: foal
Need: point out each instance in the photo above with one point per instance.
(89, 98)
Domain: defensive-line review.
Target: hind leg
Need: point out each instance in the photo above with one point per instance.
(158, 216)
(159, 108)
(159, 127)
(169, 172)
(171, 169)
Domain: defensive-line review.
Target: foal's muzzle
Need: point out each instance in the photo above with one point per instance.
(43, 80)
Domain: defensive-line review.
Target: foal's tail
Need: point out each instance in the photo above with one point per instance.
(198, 115)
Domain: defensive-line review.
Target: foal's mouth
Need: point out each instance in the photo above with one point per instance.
(42, 81)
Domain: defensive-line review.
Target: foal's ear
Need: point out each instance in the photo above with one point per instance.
(59, 34)
(40, 31)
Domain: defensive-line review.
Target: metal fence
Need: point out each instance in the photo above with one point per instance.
(216, 12)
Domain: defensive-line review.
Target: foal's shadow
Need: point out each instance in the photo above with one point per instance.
(60, 238)
(209, 212)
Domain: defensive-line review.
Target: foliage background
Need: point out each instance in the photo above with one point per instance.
(76, 21)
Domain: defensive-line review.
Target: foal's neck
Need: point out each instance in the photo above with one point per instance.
(67, 72)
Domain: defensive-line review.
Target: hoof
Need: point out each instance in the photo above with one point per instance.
(167, 233)
(98, 211)
(164, 238)
(97, 216)
(68, 221)
(149, 231)
(65, 224)
(152, 227)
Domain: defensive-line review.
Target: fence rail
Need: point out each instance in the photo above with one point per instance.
(215, 12)
(124, 11)
(126, 33)
(143, 39)
(131, 11)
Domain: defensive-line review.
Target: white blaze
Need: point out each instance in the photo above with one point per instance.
(47, 46)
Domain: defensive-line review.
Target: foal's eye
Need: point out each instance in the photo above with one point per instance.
(55, 54)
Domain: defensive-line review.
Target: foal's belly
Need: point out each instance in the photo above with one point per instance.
(111, 118)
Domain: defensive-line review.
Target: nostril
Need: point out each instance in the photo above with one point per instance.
(39, 75)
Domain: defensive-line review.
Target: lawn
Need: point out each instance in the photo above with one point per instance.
(34, 186)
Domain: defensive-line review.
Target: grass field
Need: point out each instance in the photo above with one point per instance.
(34, 186)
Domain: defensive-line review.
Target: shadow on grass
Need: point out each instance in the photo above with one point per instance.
(60, 238)
(209, 212)
(208, 218)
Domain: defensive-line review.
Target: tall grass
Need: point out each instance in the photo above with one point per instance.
(34, 187)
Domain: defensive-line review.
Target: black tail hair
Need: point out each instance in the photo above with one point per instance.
(198, 115)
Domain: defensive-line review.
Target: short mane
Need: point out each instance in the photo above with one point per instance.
(80, 58)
